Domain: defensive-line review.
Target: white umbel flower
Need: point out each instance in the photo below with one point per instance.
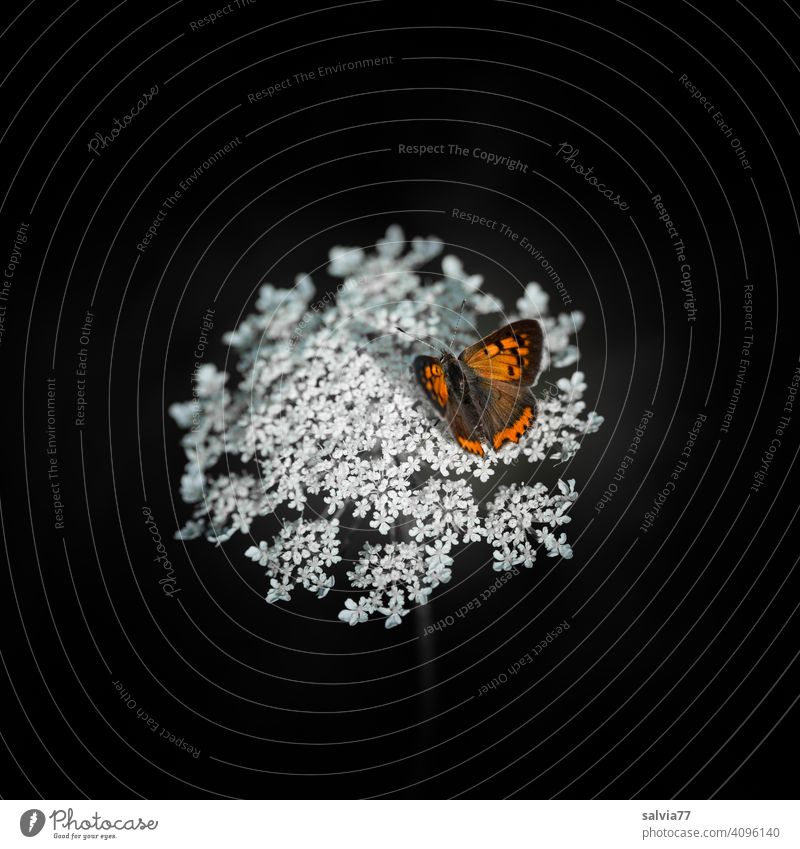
(324, 436)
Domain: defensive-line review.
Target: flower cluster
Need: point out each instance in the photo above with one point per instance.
(327, 436)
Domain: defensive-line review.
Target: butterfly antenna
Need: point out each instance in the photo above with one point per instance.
(438, 350)
(460, 313)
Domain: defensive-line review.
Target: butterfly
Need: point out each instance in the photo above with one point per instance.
(483, 393)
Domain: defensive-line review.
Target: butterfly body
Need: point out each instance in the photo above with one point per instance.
(483, 393)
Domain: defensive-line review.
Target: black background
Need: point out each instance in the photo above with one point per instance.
(677, 676)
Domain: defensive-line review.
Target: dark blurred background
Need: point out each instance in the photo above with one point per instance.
(677, 676)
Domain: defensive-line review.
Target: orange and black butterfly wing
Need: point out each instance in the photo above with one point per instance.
(467, 437)
(501, 367)
(512, 354)
(430, 376)
(508, 412)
